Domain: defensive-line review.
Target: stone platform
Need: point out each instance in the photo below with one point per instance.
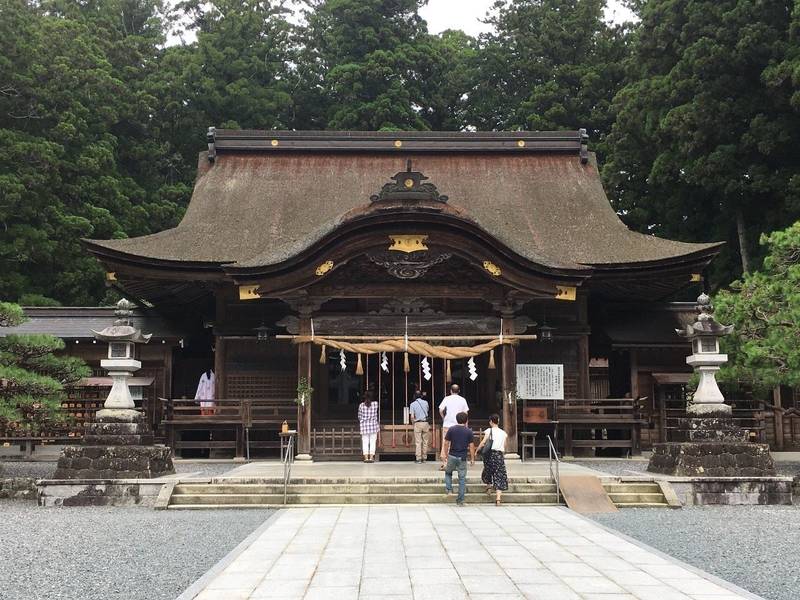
(712, 459)
(711, 446)
(117, 446)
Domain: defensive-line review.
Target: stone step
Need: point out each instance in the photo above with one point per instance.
(626, 498)
(263, 506)
(295, 499)
(620, 488)
(376, 488)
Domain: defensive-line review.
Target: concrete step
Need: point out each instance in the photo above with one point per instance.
(428, 488)
(215, 500)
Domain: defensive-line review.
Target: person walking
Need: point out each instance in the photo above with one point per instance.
(458, 445)
(369, 426)
(419, 410)
(449, 407)
(494, 474)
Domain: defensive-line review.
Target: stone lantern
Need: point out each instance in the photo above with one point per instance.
(119, 443)
(121, 363)
(708, 442)
(706, 359)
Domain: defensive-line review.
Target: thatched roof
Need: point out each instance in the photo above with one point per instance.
(259, 203)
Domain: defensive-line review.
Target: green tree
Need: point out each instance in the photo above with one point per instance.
(764, 308)
(238, 73)
(34, 378)
(75, 129)
(548, 64)
(703, 146)
(362, 64)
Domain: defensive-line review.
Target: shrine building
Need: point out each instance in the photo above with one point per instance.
(312, 266)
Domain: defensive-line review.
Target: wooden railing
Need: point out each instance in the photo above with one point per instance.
(335, 442)
(603, 423)
(233, 423)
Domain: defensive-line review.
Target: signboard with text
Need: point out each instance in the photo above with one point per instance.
(540, 382)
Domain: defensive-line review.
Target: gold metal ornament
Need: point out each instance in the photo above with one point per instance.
(521, 143)
(408, 243)
(398, 144)
(324, 268)
(492, 268)
(566, 292)
(409, 183)
(248, 292)
(274, 142)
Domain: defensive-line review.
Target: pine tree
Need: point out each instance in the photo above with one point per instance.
(33, 377)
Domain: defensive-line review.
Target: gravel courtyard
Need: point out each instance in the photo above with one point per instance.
(754, 547)
(112, 553)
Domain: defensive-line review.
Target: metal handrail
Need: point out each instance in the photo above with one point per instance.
(553, 454)
(288, 459)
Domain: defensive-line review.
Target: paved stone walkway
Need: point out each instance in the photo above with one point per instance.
(448, 553)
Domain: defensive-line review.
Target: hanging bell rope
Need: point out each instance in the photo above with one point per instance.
(322, 357)
(449, 374)
(491, 359)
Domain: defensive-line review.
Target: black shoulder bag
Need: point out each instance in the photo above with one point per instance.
(486, 451)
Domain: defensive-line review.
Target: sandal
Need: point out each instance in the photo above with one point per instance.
(497, 502)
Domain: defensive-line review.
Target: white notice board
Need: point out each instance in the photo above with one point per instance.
(540, 382)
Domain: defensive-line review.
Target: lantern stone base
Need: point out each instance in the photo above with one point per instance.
(119, 445)
(711, 447)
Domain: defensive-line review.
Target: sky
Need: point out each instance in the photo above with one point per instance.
(466, 15)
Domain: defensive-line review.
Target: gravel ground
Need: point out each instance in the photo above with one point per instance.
(43, 470)
(112, 553)
(754, 547)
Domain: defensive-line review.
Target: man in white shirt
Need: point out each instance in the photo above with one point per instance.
(449, 407)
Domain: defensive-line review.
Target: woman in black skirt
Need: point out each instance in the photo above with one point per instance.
(494, 473)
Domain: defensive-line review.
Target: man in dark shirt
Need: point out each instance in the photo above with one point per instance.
(458, 443)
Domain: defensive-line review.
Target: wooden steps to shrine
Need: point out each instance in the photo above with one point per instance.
(269, 493)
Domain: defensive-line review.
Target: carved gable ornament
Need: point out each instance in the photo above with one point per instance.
(409, 185)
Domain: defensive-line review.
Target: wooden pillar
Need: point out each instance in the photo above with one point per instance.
(634, 357)
(777, 413)
(584, 387)
(304, 370)
(220, 349)
(509, 385)
(220, 358)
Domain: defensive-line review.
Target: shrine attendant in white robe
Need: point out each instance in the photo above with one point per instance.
(205, 392)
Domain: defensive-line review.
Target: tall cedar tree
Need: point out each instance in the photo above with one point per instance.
(549, 64)
(33, 378)
(764, 308)
(78, 158)
(704, 143)
(362, 64)
(238, 72)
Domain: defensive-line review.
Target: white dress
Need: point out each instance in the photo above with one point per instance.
(206, 389)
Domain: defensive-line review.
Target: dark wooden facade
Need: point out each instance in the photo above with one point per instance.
(429, 234)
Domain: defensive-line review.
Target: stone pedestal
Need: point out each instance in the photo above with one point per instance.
(118, 445)
(712, 446)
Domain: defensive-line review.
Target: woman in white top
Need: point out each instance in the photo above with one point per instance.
(494, 473)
